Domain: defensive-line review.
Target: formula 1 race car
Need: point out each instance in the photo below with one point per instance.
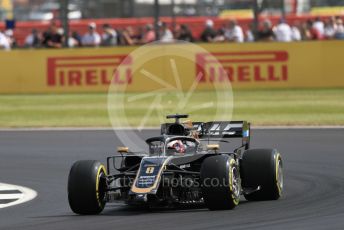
(184, 165)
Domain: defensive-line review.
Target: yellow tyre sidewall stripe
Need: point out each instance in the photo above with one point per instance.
(232, 163)
(101, 168)
(277, 159)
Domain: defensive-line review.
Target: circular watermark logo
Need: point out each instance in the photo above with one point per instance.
(158, 79)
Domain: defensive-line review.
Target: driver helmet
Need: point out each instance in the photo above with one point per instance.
(177, 145)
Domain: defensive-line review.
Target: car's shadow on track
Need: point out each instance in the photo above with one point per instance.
(125, 210)
(132, 210)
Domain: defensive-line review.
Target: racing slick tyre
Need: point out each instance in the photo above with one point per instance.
(263, 168)
(87, 187)
(220, 182)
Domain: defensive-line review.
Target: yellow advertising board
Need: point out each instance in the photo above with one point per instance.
(327, 11)
(249, 65)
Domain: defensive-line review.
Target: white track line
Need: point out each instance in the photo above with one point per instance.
(25, 195)
(11, 196)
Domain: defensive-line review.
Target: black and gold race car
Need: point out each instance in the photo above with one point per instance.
(184, 165)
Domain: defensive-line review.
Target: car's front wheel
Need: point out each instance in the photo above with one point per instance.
(220, 181)
(263, 169)
(87, 187)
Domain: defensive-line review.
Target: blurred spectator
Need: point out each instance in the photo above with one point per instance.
(11, 39)
(74, 40)
(295, 32)
(250, 33)
(208, 33)
(139, 33)
(220, 36)
(234, 32)
(305, 33)
(319, 26)
(266, 33)
(128, 36)
(4, 42)
(330, 28)
(109, 37)
(33, 40)
(282, 31)
(339, 32)
(149, 35)
(184, 34)
(77, 37)
(166, 35)
(91, 38)
(53, 37)
(312, 32)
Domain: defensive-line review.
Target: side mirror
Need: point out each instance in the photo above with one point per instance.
(214, 147)
(122, 149)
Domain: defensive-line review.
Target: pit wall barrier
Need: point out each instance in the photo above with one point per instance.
(250, 65)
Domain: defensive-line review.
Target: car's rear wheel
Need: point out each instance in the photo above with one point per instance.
(87, 187)
(220, 182)
(263, 169)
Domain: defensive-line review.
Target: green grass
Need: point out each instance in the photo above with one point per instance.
(261, 107)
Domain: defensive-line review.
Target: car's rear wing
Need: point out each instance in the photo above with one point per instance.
(222, 129)
(211, 129)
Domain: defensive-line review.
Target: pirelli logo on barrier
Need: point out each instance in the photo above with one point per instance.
(88, 70)
(256, 66)
(241, 68)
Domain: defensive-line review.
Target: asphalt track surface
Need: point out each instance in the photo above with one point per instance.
(313, 197)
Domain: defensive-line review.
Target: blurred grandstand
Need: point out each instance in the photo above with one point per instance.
(25, 10)
(130, 18)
